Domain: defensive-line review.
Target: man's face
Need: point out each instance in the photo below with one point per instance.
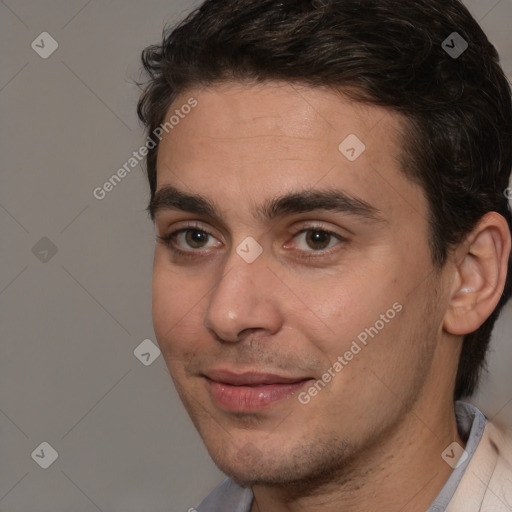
(247, 326)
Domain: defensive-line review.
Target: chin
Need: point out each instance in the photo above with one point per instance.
(303, 467)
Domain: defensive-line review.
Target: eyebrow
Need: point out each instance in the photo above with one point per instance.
(171, 198)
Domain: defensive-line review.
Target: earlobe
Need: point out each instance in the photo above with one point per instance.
(481, 271)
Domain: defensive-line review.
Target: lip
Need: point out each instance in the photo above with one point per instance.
(250, 391)
(250, 378)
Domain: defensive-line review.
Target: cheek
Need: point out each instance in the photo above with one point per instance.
(175, 309)
(336, 310)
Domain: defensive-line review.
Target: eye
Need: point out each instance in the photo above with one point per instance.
(192, 238)
(188, 239)
(317, 239)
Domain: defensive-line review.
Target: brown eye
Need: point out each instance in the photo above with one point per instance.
(195, 238)
(318, 239)
(189, 240)
(315, 239)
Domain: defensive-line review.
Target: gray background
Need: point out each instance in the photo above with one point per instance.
(70, 321)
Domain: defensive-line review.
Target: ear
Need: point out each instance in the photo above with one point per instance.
(481, 264)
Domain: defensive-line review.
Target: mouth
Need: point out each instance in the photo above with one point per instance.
(251, 391)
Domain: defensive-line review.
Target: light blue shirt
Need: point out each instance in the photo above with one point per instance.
(230, 497)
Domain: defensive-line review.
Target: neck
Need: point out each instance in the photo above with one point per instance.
(403, 471)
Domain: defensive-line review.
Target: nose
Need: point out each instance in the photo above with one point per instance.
(244, 301)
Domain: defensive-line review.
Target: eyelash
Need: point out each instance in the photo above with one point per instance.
(168, 240)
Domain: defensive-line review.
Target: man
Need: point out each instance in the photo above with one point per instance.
(328, 185)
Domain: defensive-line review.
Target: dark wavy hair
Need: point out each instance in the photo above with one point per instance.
(458, 111)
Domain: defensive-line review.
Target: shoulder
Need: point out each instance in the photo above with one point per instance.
(487, 481)
(499, 445)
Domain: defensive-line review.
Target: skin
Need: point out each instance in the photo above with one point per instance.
(372, 438)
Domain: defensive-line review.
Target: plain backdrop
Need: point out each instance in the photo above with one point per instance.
(75, 279)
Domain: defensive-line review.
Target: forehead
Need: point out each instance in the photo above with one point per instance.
(277, 109)
(262, 139)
